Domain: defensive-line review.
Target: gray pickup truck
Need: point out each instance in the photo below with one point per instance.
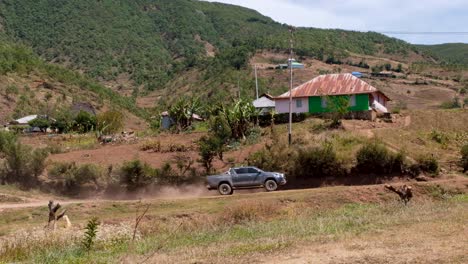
(243, 178)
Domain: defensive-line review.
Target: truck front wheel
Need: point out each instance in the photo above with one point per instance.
(225, 189)
(271, 185)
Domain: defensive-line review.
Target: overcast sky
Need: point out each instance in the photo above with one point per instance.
(374, 15)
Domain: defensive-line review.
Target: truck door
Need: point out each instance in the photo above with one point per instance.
(254, 176)
(241, 178)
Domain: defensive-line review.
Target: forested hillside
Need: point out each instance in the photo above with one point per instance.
(145, 43)
(450, 52)
(28, 85)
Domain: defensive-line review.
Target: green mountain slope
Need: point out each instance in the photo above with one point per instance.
(145, 43)
(450, 52)
(26, 82)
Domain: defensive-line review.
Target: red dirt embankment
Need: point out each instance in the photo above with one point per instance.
(117, 154)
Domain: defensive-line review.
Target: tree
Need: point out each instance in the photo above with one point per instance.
(221, 133)
(84, 122)
(23, 165)
(399, 68)
(239, 117)
(338, 106)
(41, 122)
(6, 138)
(388, 66)
(136, 174)
(182, 112)
(208, 149)
(64, 121)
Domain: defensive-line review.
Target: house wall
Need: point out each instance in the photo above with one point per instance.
(379, 97)
(315, 103)
(282, 105)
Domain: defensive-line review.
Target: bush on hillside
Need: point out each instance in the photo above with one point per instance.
(428, 164)
(136, 174)
(22, 164)
(209, 147)
(455, 103)
(74, 176)
(84, 122)
(376, 158)
(6, 138)
(318, 162)
(439, 137)
(464, 158)
(41, 122)
(110, 122)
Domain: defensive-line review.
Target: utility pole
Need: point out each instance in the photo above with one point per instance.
(291, 31)
(238, 85)
(256, 81)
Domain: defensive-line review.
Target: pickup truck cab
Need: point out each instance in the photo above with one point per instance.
(243, 178)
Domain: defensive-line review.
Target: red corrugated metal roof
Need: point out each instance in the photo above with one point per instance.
(331, 84)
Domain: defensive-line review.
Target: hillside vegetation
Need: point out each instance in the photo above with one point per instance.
(31, 86)
(146, 43)
(450, 52)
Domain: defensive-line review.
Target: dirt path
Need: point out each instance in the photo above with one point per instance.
(461, 182)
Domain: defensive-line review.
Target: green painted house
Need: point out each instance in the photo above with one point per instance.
(316, 95)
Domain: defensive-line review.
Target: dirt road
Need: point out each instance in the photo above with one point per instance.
(170, 194)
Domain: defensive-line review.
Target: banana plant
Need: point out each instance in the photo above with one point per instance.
(182, 112)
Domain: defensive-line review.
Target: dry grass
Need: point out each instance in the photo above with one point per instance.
(262, 226)
(418, 138)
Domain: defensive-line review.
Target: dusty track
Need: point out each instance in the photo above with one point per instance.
(459, 182)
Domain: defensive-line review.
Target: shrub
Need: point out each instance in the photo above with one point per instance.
(151, 145)
(22, 164)
(463, 90)
(455, 103)
(90, 234)
(428, 163)
(439, 137)
(275, 156)
(464, 158)
(110, 122)
(399, 68)
(64, 121)
(84, 122)
(209, 147)
(317, 162)
(41, 122)
(75, 176)
(376, 158)
(135, 174)
(6, 138)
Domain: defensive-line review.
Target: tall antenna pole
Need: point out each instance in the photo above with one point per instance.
(256, 81)
(291, 30)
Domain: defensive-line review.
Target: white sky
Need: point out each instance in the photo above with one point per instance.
(375, 15)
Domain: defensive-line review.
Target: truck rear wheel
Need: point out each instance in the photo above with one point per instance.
(271, 185)
(225, 189)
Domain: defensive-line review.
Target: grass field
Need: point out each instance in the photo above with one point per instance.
(361, 224)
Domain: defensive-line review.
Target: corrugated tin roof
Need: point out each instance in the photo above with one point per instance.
(263, 102)
(331, 84)
(26, 119)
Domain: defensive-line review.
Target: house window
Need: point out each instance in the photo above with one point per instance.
(324, 102)
(352, 100)
(298, 103)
